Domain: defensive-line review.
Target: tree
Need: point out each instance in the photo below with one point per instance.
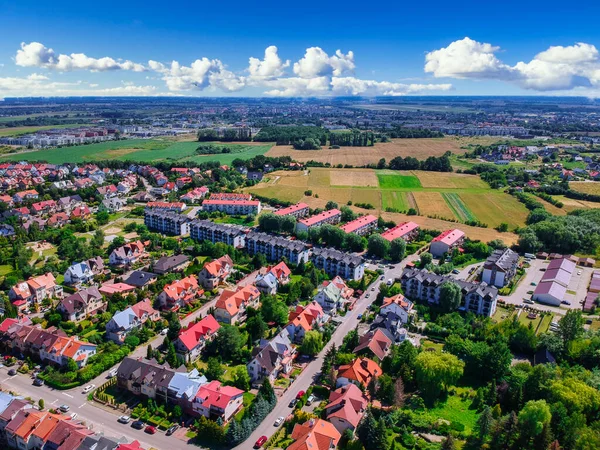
(214, 370)
(70, 366)
(259, 260)
(385, 392)
(235, 433)
(228, 343)
(328, 360)
(534, 416)
(450, 296)
(397, 249)
(177, 411)
(485, 423)
(240, 378)
(354, 242)
(372, 433)
(448, 443)
(256, 327)
(378, 246)
(570, 326)
(132, 341)
(267, 392)
(426, 259)
(331, 205)
(312, 343)
(435, 372)
(41, 404)
(399, 395)
(149, 352)
(274, 310)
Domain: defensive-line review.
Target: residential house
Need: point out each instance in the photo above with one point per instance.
(140, 278)
(406, 230)
(304, 319)
(335, 262)
(419, 284)
(270, 358)
(144, 311)
(167, 264)
(194, 338)
(195, 195)
(359, 372)
(446, 242)
(216, 401)
(397, 305)
(82, 305)
(374, 343)
(316, 434)
(121, 324)
(346, 407)
(79, 273)
(276, 248)
(500, 267)
(333, 295)
(215, 272)
(34, 291)
(128, 254)
(232, 304)
(109, 191)
(299, 210)
(180, 293)
(145, 377)
(111, 287)
(331, 216)
(392, 325)
(217, 232)
(112, 205)
(361, 226)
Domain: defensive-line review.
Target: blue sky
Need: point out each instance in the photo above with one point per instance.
(389, 42)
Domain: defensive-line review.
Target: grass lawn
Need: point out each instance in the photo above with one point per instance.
(526, 321)
(544, 324)
(456, 409)
(427, 344)
(458, 207)
(392, 181)
(395, 200)
(5, 269)
(502, 314)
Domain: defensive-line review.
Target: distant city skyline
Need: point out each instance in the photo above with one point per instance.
(317, 49)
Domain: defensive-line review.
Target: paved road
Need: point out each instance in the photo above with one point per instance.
(308, 376)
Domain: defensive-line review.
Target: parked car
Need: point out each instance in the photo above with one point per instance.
(382, 278)
(260, 442)
(12, 372)
(310, 399)
(124, 419)
(38, 382)
(64, 408)
(368, 295)
(88, 388)
(456, 271)
(279, 421)
(299, 395)
(372, 289)
(164, 331)
(73, 416)
(293, 403)
(172, 430)
(359, 316)
(150, 429)
(112, 373)
(138, 425)
(564, 302)
(529, 302)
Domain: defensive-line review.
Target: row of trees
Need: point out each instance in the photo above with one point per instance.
(354, 138)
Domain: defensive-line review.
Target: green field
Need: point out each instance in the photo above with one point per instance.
(458, 207)
(392, 181)
(142, 150)
(18, 131)
(396, 200)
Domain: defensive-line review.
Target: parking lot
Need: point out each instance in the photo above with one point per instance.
(576, 290)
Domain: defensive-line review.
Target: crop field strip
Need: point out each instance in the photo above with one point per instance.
(458, 207)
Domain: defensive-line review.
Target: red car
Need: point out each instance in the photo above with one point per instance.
(150, 429)
(260, 442)
(299, 395)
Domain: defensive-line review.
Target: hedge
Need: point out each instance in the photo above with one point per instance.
(56, 385)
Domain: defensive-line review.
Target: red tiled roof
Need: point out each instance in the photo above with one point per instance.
(191, 336)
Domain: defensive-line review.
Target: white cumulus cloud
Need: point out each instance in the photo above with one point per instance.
(201, 74)
(355, 86)
(317, 63)
(557, 68)
(270, 66)
(36, 54)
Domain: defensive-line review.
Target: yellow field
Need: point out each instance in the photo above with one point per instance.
(450, 180)
(319, 177)
(586, 187)
(571, 204)
(495, 208)
(433, 204)
(361, 156)
(354, 177)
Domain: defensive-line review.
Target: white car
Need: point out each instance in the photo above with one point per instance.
(73, 416)
(112, 373)
(88, 388)
(164, 332)
(124, 419)
(279, 421)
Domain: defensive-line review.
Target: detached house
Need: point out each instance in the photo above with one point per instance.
(128, 254)
(216, 401)
(346, 407)
(316, 434)
(166, 264)
(375, 342)
(179, 293)
(82, 305)
(231, 305)
(359, 372)
(79, 273)
(397, 305)
(305, 319)
(122, 323)
(34, 291)
(270, 358)
(215, 272)
(268, 283)
(332, 295)
(193, 339)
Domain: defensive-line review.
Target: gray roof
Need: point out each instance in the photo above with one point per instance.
(79, 299)
(98, 443)
(337, 255)
(219, 227)
(139, 278)
(167, 215)
(167, 263)
(504, 259)
(123, 319)
(275, 241)
(431, 279)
